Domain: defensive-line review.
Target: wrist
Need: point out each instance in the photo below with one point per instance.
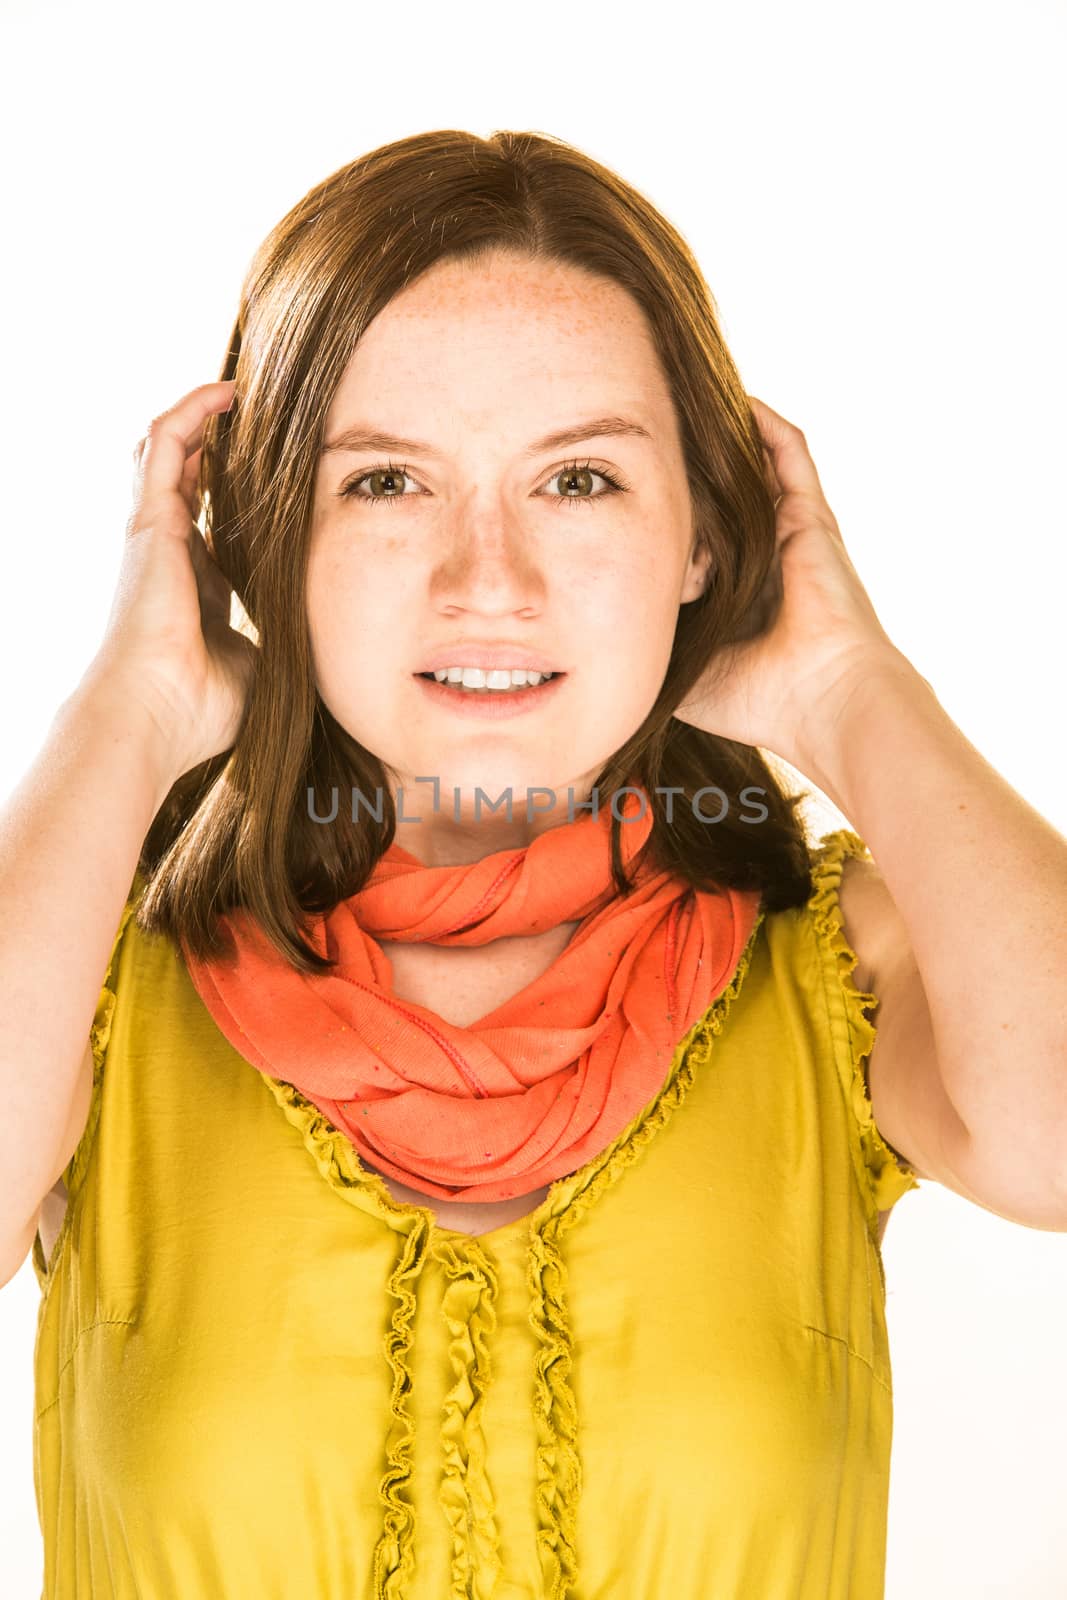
(839, 718)
(117, 713)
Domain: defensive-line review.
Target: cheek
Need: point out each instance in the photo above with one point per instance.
(628, 606)
(342, 604)
(347, 638)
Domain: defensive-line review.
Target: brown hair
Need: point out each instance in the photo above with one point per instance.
(237, 830)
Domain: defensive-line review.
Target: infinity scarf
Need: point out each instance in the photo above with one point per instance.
(534, 1089)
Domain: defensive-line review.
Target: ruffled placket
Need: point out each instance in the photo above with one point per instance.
(469, 1309)
(469, 1312)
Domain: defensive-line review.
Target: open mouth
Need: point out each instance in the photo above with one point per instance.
(520, 684)
(482, 701)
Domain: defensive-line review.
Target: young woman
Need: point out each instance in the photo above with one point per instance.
(475, 1178)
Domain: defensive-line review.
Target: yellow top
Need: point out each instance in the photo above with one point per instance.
(258, 1376)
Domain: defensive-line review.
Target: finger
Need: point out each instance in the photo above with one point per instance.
(190, 477)
(191, 480)
(170, 439)
(770, 477)
(794, 468)
(193, 443)
(213, 588)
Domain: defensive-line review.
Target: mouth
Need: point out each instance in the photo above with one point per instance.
(519, 683)
(482, 701)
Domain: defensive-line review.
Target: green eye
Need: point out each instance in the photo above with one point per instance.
(390, 469)
(385, 469)
(586, 468)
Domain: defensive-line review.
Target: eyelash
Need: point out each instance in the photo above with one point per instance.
(401, 470)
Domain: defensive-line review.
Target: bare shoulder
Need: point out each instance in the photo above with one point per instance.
(871, 922)
(885, 967)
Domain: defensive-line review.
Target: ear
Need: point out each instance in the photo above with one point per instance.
(696, 575)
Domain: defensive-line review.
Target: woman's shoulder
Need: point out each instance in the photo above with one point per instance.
(849, 903)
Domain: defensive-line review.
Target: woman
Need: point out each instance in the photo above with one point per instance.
(469, 1191)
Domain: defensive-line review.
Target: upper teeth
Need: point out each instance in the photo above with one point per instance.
(489, 678)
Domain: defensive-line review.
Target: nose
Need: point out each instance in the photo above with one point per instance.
(489, 565)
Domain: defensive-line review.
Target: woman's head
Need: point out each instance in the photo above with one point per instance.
(473, 295)
(579, 552)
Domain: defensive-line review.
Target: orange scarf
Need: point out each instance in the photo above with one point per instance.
(536, 1088)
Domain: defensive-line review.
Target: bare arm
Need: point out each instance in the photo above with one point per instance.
(70, 838)
(164, 693)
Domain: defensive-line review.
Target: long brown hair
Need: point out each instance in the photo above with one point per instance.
(237, 830)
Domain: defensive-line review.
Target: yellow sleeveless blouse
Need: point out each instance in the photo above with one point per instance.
(258, 1376)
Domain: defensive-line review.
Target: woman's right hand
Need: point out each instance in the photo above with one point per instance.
(168, 644)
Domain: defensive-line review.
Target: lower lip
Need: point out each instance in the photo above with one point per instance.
(495, 704)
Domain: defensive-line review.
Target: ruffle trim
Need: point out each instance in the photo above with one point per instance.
(99, 1034)
(336, 1158)
(884, 1173)
(466, 1496)
(559, 1471)
(469, 1308)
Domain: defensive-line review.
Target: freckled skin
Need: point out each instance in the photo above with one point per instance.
(480, 360)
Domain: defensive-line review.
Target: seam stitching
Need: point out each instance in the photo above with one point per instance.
(837, 1339)
(102, 1322)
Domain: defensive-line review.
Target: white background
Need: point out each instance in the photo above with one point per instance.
(875, 197)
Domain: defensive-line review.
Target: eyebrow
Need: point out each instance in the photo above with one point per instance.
(362, 437)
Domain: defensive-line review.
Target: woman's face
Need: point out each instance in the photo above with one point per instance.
(485, 534)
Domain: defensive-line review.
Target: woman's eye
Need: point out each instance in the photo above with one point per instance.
(382, 477)
(575, 477)
(384, 484)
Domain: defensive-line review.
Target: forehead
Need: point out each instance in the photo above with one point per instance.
(542, 333)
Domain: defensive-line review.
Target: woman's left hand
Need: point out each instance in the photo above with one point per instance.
(776, 690)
